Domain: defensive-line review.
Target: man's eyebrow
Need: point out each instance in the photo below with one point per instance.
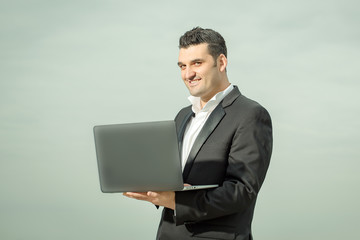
(197, 60)
(192, 61)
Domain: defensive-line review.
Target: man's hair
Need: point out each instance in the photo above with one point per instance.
(198, 35)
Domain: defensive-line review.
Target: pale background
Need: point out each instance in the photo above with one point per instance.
(66, 66)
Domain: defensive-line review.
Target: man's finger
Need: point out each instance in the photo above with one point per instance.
(152, 194)
(136, 195)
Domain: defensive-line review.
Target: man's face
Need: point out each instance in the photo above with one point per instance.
(199, 71)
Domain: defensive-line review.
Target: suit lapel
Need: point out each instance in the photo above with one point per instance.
(182, 129)
(211, 123)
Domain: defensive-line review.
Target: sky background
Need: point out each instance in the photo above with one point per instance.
(66, 66)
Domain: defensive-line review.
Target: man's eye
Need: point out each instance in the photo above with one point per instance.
(182, 66)
(197, 63)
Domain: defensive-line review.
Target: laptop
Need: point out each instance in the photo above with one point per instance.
(139, 157)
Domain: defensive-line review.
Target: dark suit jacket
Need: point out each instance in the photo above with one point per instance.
(233, 150)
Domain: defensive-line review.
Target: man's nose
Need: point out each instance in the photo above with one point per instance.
(189, 74)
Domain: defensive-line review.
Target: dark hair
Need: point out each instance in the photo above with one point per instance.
(198, 35)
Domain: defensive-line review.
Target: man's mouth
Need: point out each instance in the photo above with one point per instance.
(194, 82)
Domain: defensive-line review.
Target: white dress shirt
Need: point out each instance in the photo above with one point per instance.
(196, 123)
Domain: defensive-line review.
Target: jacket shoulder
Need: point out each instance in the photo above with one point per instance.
(246, 109)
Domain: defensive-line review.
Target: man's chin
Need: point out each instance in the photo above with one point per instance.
(194, 93)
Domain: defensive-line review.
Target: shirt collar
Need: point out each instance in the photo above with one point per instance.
(212, 103)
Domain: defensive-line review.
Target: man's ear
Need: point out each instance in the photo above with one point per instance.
(222, 62)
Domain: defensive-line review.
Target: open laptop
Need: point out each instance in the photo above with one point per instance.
(139, 157)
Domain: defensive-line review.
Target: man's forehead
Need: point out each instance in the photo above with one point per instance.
(194, 51)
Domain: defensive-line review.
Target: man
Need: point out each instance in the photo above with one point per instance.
(224, 138)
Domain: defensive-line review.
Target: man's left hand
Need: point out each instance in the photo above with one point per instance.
(165, 199)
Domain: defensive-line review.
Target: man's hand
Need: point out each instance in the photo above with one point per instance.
(165, 199)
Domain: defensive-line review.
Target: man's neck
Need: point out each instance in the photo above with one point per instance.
(204, 101)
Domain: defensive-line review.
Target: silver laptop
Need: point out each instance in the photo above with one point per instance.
(139, 157)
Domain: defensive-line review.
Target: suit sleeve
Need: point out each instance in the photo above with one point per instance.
(248, 161)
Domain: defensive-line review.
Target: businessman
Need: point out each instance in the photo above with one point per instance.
(224, 138)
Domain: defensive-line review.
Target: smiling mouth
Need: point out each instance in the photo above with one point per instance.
(194, 80)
